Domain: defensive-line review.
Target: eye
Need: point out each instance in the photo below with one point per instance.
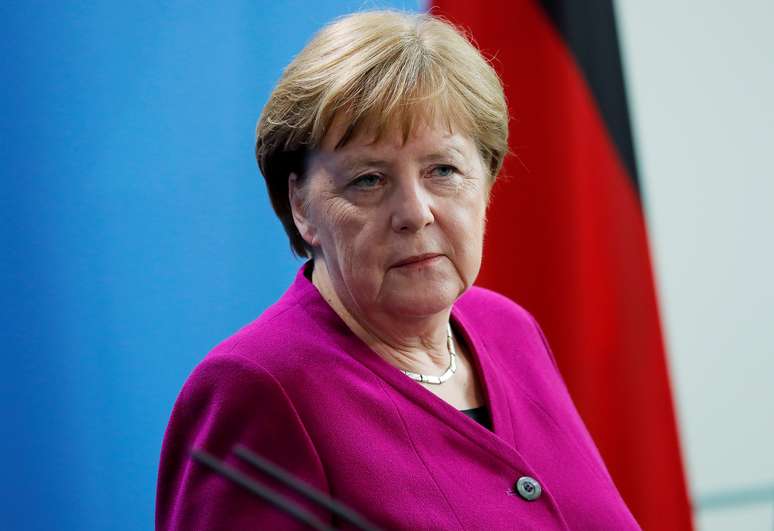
(444, 170)
(364, 182)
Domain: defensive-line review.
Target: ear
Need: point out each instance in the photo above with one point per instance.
(298, 207)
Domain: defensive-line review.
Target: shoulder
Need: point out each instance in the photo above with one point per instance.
(282, 339)
(493, 309)
(250, 367)
(229, 400)
(478, 297)
(273, 353)
(501, 322)
(243, 377)
(237, 395)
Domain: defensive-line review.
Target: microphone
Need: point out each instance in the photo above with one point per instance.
(278, 500)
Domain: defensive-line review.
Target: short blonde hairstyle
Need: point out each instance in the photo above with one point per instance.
(381, 69)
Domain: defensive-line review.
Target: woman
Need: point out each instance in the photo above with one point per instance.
(383, 377)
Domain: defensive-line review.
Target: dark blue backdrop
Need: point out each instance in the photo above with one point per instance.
(136, 232)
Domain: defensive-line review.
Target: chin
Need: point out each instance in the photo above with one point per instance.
(423, 301)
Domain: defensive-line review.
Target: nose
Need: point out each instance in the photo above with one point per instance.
(411, 210)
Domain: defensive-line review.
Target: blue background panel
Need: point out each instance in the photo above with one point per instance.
(136, 232)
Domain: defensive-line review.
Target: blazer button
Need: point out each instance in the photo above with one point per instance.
(528, 488)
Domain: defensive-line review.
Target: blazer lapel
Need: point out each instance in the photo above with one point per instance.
(499, 441)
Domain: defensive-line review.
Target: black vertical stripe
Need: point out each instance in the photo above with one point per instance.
(589, 29)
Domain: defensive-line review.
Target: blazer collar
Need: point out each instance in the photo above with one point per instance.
(499, 441)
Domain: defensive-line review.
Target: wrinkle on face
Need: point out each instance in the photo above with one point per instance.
(356, 228)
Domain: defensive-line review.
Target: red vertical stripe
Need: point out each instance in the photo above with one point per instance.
(566, 238)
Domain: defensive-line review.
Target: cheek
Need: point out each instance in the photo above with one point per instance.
(352, 239)
(469, 236)
(337, 222)
(471, 219)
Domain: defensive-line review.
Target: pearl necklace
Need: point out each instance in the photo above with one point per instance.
(425, 378)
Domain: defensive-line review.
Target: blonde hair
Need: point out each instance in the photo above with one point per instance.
(381, 69)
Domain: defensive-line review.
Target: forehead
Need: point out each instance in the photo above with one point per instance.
(343, 141)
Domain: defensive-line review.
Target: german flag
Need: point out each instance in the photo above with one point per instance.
(566, 235)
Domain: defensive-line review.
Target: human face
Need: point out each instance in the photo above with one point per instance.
(399, 225)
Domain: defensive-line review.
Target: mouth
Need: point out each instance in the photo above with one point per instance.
(418, 260)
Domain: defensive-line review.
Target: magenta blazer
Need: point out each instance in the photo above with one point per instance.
(297, 387)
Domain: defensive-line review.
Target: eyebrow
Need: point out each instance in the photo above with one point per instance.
(444, 153)
(353, 160)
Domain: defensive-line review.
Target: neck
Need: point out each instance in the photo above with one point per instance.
(417, 344)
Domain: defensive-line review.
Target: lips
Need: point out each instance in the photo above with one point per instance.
(416, 259)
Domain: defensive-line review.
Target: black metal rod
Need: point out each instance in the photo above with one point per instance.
(270, 469)
(281, 502)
